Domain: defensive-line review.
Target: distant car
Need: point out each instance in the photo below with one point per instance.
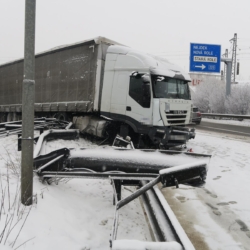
(196, 116)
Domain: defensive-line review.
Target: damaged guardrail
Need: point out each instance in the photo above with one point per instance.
(53, 134)
(167, 228)
(135, 169)
(168, 233)
(41, 124)
(129, 167)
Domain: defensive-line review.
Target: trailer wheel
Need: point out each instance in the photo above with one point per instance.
(61, 116)
(19, 116)
(2, 117)
(9, 117)
(14, 117)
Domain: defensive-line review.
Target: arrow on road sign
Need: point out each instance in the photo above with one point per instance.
(202, 66)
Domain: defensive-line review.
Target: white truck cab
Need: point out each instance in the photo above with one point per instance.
(148, 94)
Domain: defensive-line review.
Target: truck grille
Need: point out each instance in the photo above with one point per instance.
(176, 116)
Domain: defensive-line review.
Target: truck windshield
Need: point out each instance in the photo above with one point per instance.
(170, 88)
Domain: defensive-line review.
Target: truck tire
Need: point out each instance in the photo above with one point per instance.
(2, 117)
(61, 116)
(9, 117)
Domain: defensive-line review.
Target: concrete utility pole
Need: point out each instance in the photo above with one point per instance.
(28, 99)
(234, 40)
(228, 63)
(225, 66)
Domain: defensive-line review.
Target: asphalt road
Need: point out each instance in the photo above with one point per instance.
(224, 128)
(183, 203)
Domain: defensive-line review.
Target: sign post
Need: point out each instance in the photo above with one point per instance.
(205, 58)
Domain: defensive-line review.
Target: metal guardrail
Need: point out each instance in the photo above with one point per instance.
(232, 116)
(129, 167)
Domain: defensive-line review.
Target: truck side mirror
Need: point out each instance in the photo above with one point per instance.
(135, 74)
(146, 79)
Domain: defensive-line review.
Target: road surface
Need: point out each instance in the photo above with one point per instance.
(216, 216)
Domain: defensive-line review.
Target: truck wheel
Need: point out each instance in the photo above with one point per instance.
(2, 117)
(9, 117)
(14, 117)
(19, 116)
(61, 116)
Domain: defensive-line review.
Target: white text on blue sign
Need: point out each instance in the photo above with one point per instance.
(201, 50)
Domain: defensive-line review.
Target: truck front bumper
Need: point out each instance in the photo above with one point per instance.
(170, 136)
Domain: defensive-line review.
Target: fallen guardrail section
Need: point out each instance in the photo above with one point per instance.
(129, 167)
(41, 124)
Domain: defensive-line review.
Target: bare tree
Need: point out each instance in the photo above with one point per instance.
(209, 96)
(239, 101)
(217, 98)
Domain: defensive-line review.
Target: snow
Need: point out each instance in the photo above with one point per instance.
(182, 167)
(220, 210)
(229, 170)
(75, 214)
(78, 214)
(147, 159)
(42, 138)
(155, 64)
(138, 245)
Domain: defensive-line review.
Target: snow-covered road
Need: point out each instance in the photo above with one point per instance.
(218, 213)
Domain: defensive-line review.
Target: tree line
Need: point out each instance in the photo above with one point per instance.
(210, 97)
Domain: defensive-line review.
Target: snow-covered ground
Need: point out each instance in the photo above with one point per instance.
(219, 211)
(79, 214)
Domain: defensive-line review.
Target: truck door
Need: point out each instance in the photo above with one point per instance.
(119, 96)
(139, 100)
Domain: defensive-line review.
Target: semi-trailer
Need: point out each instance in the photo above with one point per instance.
(105, 88)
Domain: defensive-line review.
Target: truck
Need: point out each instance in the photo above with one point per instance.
(105, 88)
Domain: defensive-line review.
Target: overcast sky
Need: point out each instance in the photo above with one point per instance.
(160, 27)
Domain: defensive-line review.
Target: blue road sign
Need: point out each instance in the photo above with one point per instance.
(205, 58)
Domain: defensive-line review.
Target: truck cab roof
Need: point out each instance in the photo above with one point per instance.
(156, 65)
